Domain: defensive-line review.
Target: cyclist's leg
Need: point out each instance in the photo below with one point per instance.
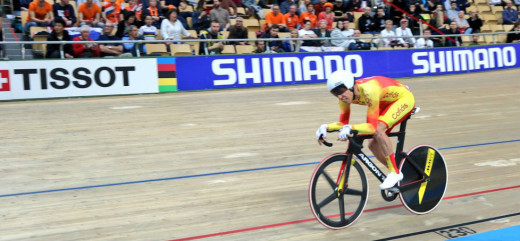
(375, 147)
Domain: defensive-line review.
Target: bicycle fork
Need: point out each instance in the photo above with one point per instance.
(342, 180)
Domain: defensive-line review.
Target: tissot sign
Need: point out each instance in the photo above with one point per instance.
(66, 78)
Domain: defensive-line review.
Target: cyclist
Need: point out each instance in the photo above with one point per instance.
(389, 102)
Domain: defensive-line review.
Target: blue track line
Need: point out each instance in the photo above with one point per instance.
(218, 173)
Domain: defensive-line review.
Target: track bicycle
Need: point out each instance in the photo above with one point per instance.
(338, 189)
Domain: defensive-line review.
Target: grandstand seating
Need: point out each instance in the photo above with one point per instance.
(229, 49)
(180, 49)
(156, 49)
(244, 49)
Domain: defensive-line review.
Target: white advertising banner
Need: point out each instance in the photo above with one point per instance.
(33, 79)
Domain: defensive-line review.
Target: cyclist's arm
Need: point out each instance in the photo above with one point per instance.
(370, 127)
(344, 116)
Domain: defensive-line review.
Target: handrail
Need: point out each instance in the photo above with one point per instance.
(61, 43)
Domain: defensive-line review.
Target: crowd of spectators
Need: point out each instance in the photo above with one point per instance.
(170, 20)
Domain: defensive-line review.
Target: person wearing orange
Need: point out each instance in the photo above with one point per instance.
(327, 15)
(155, 12)
(111, 12)
(40, 14)
(275, 17)
(389, 102)
(90, 14)
(309, 15)
(137, 8)
(291, 18)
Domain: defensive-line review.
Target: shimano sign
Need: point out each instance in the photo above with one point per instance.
(463, 60)
(282, 69)
(252, 70)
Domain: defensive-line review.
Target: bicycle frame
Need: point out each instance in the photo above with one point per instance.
(356, 144)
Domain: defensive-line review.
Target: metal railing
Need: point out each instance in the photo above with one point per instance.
(62, 43)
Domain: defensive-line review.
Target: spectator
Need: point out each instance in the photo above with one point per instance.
(323, 32)
(90, 14)
(80, 2)
(167, 5)
(200, 18)
(134, 7)
(496, 3)
(211, 48)
(366, 22)
(474, 40)
(419, 6)
(227, 5)
(514, 37)
(274, 45)
(154, 12)
(220, 15)
(111, 11)
(309, 15)
(395, 14)
(462, 23)
(59, 34)
(474, 22)
(358, 5)
(453, 12)
(238, 31)
(306, 32)
(148, 30)
(439, 17)
(327, 15)
(358, 44)
(303, 7)
(253, 9)
(509, 15)
(340, 11)
(389, 38)
(462, 5)
(379, 20)
(320, 7)
(292, 45)
(425, 41)
(291, 19)
(85, 50)
(339, 33)
(109, 49)
(124, 25)
(171, 28)
(275, 18)
(65, 11)
(130, 49)
(413, 24)
(40, 14)
(454, 41)
(286, 5)
(260, 47)
(404, 34)
(347, 31)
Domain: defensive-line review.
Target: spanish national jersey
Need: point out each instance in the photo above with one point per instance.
(387, 100)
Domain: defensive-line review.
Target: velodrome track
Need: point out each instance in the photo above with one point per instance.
(236, 164)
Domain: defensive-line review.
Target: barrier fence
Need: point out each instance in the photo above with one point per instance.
(494, 40)
(55, 78)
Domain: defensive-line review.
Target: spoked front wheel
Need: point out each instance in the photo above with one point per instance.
(337, 209)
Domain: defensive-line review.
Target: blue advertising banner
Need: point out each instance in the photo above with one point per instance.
(235, 71)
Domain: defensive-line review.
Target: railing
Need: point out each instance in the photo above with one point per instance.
(61, 43)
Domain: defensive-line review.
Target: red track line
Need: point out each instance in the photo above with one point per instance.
(313, 219)
(12, 32)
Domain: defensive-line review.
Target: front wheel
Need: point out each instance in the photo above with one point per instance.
(421, 196)
(332, 208)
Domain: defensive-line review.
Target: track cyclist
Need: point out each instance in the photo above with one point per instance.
(389, 102)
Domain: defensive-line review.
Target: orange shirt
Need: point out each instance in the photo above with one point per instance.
(272, 19)
(112, 12)
(309, 16)
(136, 8)
(89, 13)
(39, 12)
(291, 21)
(329, 19)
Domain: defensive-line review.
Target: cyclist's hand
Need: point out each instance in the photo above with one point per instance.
(322, 131)
(344, 133)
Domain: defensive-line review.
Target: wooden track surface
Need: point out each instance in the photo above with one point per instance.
(236, 164)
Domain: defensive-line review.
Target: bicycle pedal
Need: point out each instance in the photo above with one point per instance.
(393, 190)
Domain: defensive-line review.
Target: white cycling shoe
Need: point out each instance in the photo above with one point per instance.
(391, 180)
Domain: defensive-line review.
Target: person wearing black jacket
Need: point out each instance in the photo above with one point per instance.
(366, 22)
(514, 37)
(65, 11)
(475, 22)
(59, 34)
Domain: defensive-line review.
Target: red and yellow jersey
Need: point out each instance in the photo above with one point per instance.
(388, 101)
